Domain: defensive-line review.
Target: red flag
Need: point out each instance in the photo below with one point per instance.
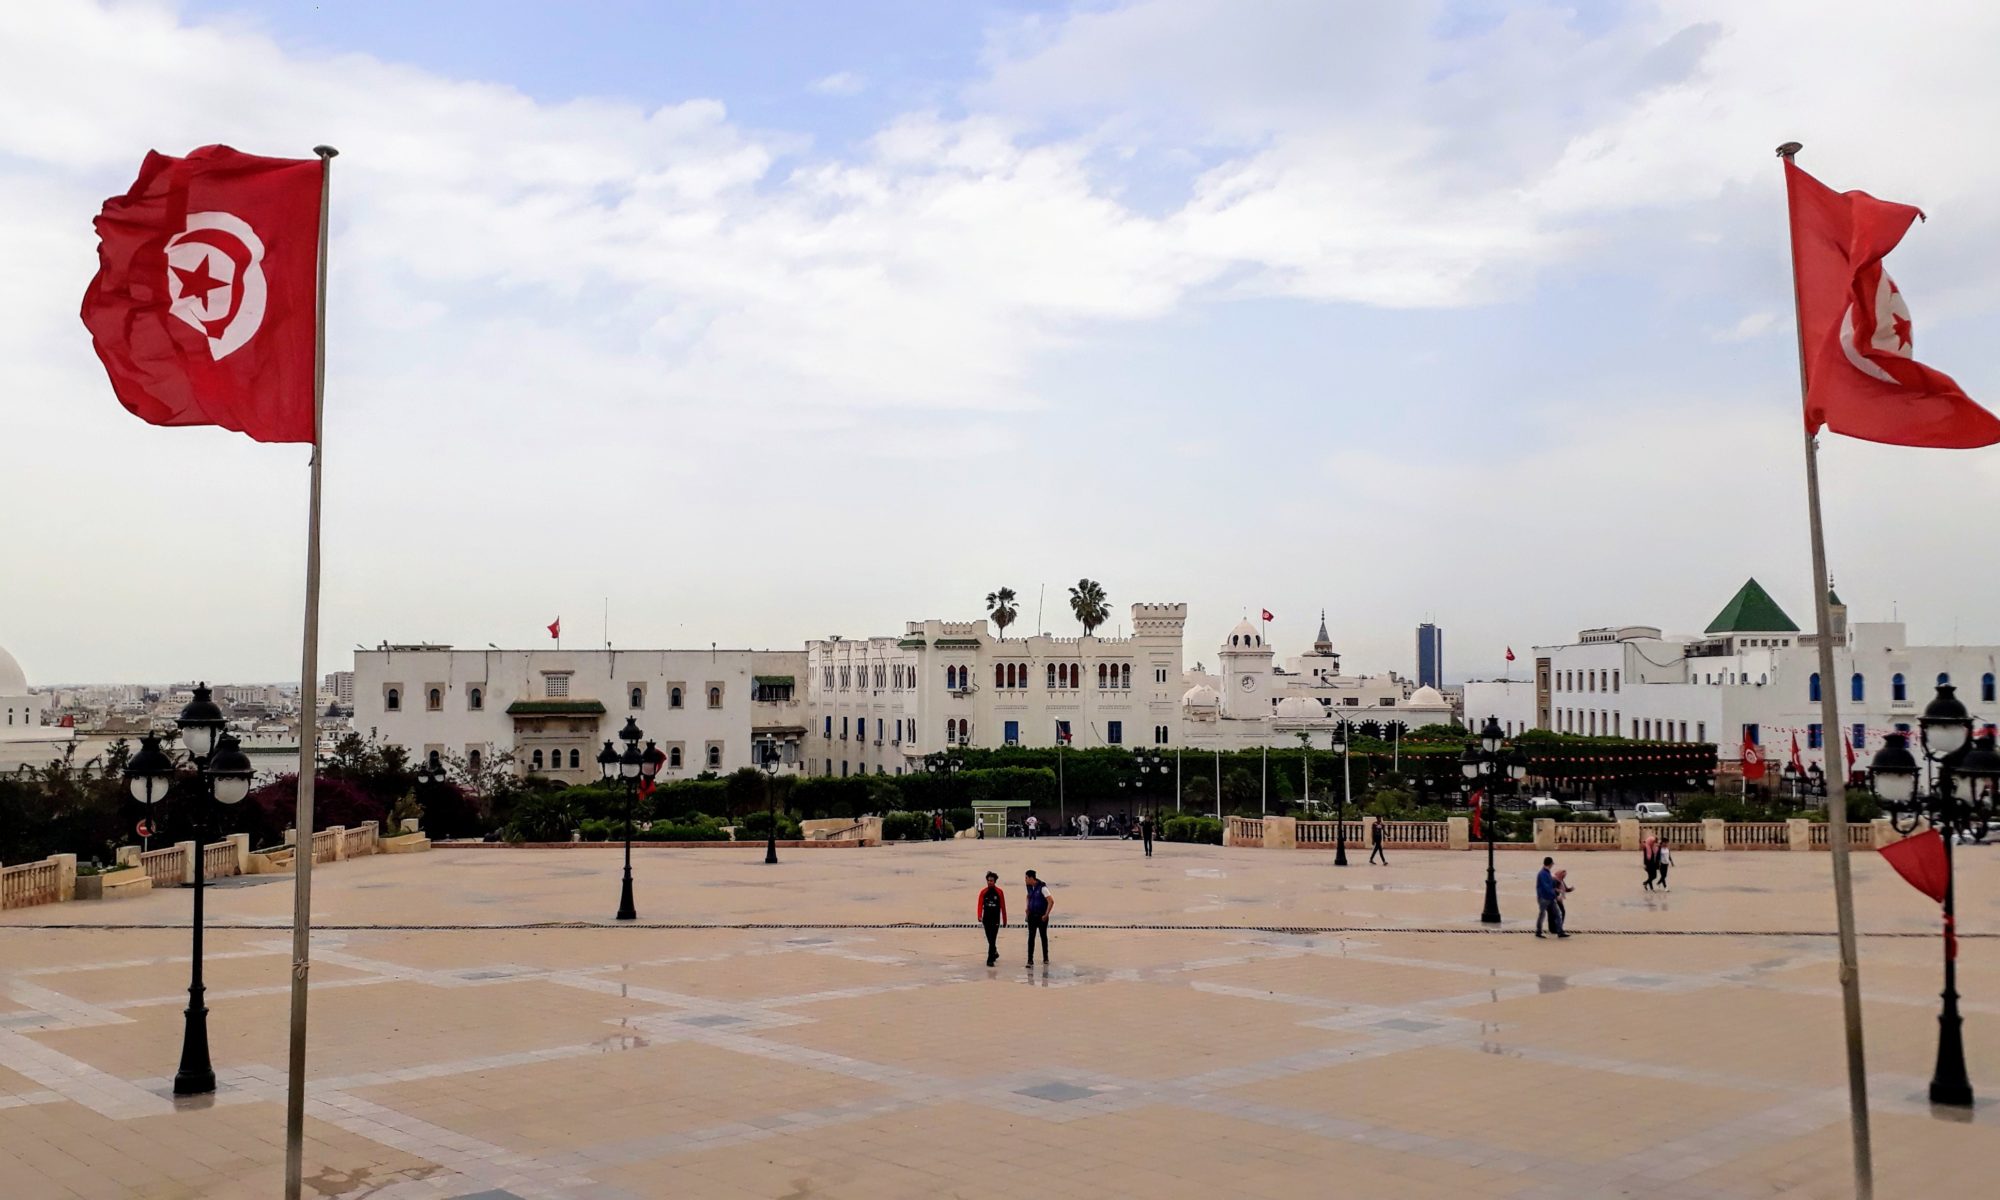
(1753, 758)
(1854, 329)
(1510, 654)
(1921, 861)
(1267, 614)
(1476, 801)
(205, 297)
(555, 628)
(1847, 742)
(1796, 764)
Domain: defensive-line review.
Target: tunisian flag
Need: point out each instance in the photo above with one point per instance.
(203, 308)
(1854, 329)
(1753, 758)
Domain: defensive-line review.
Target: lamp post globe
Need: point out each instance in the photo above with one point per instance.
(201, 722)
(1946, 726)
(149, 772)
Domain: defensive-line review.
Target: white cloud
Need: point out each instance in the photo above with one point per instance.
(1750, 326)
(841, 83)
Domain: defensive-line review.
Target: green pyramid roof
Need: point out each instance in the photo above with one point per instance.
(1832, 597)
(1751, 610)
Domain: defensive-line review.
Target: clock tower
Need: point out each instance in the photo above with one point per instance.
(1246, 673)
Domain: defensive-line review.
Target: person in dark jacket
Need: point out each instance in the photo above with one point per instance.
(1375, 843)
(1040, 905)
(1549, 891)
(1146, 831)
(992, 909)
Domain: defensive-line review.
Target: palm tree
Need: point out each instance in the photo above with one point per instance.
(1087, 601)
(1000, 606)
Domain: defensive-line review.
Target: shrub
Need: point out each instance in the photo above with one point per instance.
(544, 817)
(695, 827)
(756, 826)
(907, 826)
(1192, 829)
(596, 829)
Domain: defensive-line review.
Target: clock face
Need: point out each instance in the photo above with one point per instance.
(1248, 682)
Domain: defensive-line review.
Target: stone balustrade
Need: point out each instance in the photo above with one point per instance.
(1285, 833)
(50, 881)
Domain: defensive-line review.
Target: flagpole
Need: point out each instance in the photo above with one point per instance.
(302, 823)
(1836, 785)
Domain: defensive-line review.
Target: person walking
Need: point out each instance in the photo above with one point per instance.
(1649, 854)
(937, 825)
(1040, 906)
(1375, 851)
(1146, 832)
(1034, 826)
(1548, 900)
(992, 909)
(1663, 859)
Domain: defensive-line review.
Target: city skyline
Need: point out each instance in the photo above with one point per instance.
(666, 308)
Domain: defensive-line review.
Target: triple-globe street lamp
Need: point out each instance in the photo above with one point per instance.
(1955, 756)
(630, 767)
(1147, 763)
(769, 761)
(219, 772)
(1490, 766)
(1337, 741)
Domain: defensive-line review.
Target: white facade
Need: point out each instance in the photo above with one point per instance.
(24, 740)
(1735, 680)
(552, 710)
(878, 705)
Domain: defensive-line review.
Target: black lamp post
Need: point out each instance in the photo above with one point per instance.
(221, 772)
(1338, 744)
(769, 761)
(629, 767)
(1490, 766)
(430, 776)
(1145, 762)
(1788, 782)
(1949, 745)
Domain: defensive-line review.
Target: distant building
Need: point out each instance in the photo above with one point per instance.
(340, 685)
(1430, 656)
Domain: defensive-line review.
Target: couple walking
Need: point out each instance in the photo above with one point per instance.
(1550, 888)
(992, 909)
(1657, 856)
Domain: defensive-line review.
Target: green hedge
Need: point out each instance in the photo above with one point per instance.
(1192, 829)
(911, 827)
(756, 826)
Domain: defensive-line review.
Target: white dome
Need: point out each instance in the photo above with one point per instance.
(1244, 636)
(1427, 697)
(13, 682)
(1200, 696)
(1299, 708)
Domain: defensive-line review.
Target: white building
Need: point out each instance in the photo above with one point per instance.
(1751, 674)
(1249, 702)
(877, 705)
(339, 686)
(552, 710)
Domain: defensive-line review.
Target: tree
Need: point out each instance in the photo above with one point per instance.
(1000, 606)
(1087, 601)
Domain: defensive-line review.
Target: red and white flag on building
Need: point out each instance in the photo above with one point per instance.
(1267, 614)
(1510, 654)
(203, 308)
(1797, 765)
(1854, 328)
(555, 629)
(1753, 758)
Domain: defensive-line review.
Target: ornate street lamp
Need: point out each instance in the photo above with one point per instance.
(1491, 767)
(1145, 762)
(627, 768)
(770, 764)
(1948, 744)
(1337, 742)
(221, 774)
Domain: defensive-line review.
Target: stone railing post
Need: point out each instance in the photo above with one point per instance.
(1281, 833)
(1628, 833)
(1545, 833)
(65, 875)
(128, 856)
(1798, 830)
(1228, 831)
(292, 837)
(1885, 832)
(339, 833)
(1457, 833)
(410, 825)
(1714, 833)
(242, 843)
(188, 851)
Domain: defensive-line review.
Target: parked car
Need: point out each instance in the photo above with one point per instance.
(1651, 810)
(1579, 806)
(1544, 803)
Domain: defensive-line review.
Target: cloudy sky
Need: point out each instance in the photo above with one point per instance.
(767, 321)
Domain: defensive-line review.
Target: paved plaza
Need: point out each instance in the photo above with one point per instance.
(1217, 1023)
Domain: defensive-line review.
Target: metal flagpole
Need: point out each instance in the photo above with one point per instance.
(1836, 785)
(302, 848)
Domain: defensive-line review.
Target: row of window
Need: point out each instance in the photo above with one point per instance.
(475, 697)
(554, 759)
(861, 729)
(1060, 676)
(1597, 722)
(1857, 687)
(899, 676)
(1587, 681)
(1668, 731)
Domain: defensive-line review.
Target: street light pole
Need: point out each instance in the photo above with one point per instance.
(1485, 763)
(1948, 744)
(628, 767)
(1339, 746)
(769, 761)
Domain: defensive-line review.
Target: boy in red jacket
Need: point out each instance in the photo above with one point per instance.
(992, 909)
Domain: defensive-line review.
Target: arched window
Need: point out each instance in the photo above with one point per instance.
(1125, 674)
(715, 756)
(1812, 687)
(1103, 670)
(673, 697)
(1052, 677)
(536, 760)
(393, 701)
(1000, 673)
(1076, 675)
(1897, 692)
(436, 699)
(575, 760)
(472, 760)
(1233, 639)
(674, 757)
(715, 697)
(475, 699)
(1986, 687)
(434, 758)
(1944, 679)
(638, 697)
(1857, 688)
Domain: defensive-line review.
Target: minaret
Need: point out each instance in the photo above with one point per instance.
(1322, 644)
